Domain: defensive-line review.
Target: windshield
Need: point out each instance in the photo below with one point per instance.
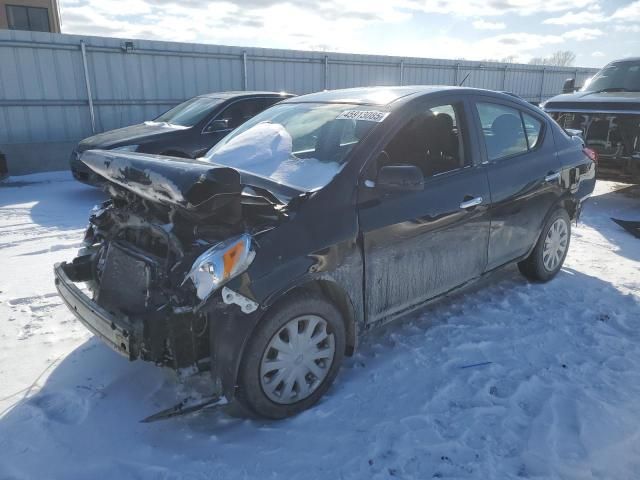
(616, 77)
(301, 145)
(188, 113)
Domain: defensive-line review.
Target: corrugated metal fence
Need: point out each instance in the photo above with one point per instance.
(48, 82)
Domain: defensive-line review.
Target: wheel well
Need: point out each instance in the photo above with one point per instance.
(338, 297)
(571, 206)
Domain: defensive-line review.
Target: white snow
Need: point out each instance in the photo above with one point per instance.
(266, 150)
(560, 397)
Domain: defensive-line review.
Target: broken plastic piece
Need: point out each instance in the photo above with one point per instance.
(246, 305)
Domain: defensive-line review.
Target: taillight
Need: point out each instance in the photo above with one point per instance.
(592, 154)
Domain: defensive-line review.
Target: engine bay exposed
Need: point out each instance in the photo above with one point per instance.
(611, 135)
(136, 259)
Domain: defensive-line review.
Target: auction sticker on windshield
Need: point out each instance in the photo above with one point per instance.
(368, 115)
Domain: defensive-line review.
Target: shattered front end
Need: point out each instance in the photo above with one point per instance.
(157, 255)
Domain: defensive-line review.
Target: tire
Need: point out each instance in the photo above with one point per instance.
(539, 266)
(277, 393)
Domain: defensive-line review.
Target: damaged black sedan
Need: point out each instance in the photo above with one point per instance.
(319, 218)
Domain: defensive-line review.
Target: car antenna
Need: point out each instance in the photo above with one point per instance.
(464, 79)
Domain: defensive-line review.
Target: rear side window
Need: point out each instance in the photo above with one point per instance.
(502, 129)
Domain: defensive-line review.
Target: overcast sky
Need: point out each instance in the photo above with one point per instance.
(596, 30)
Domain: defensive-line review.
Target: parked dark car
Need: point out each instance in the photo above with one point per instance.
(607, 112)
(319, 218)
(188, 130)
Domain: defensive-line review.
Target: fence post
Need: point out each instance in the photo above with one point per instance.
(455, 74)
(504, 77)
(87, 82)
(401, 72)
(542, 83)
(326, 72)
(245, 79)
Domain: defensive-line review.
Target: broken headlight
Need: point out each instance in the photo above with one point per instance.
(220, 263)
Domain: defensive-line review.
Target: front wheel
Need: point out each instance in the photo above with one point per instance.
(548, 256)
(293, 357)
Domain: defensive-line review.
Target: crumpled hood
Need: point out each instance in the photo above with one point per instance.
(196, 187)
(131, 135)
(622, 102)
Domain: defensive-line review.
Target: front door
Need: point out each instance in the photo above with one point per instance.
(420, 244)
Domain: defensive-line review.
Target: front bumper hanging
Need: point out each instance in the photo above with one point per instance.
(117, 332)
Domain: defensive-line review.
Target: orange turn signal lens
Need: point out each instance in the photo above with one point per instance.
(231, 257)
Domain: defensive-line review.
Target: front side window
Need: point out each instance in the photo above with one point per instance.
(188, 113)
(431, 140)
(241, 111)
(301, 145)
(502, 129)
(28, 18)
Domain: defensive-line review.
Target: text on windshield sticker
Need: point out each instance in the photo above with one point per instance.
(368, 115)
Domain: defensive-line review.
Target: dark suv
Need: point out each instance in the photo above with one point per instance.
(188, 130)
(319, 218)
(607, 113)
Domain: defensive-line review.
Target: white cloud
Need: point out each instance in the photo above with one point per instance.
(296, 24)
(629, 13)
(486, 25)
(478, 8)
(577, 18)
(518, 45)
(582, 34)
(328, 24)
(597, 53)
(594, 14)
(627, 28)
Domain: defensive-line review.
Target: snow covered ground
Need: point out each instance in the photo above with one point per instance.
(560, 397)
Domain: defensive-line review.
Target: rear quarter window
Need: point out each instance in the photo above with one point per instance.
(533, 129)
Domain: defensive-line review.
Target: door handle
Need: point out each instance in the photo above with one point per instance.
(474, 202)
(552, 177)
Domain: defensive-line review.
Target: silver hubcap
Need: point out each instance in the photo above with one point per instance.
(555, 245)
(297, 359)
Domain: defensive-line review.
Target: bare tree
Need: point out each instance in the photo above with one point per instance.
(561, 58)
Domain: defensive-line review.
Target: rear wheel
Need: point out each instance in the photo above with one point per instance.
(548, 256)
(292, 358)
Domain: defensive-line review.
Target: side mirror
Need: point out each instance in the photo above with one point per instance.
(569, 85)
(400, 178)
(218, 125)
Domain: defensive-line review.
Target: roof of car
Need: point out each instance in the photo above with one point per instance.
(246, 94)
(384, 96)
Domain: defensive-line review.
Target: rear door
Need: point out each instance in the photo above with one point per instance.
(419, 244)
(524, 175)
